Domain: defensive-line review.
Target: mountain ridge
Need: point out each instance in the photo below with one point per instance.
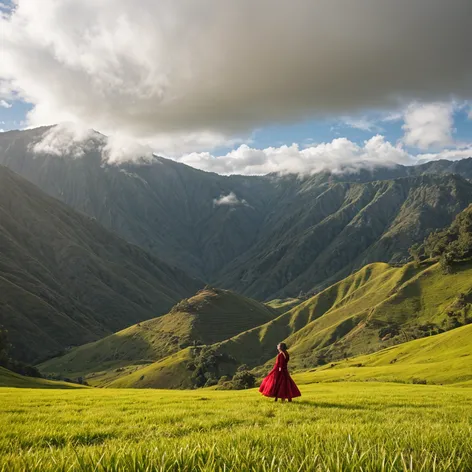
(177, 213)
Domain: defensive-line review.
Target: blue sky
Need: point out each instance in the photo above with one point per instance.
(305, 133)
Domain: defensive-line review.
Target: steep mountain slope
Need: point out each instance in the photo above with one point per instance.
(210, 316)
(65, 280)
(281, 305)
(167, 208)
(340, 230)
(271, 236)
(442, 359)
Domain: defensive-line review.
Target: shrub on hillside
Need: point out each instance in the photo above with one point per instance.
(241, 381)
(244, 379)
(419, 381)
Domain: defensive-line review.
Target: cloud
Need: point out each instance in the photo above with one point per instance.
(228, 200)
(68, 140)
(176, 73)
(456, 154)
(5, 104)
(72, 141)
(429, 125)
(340, 155)
(392, 117)
(363, 123)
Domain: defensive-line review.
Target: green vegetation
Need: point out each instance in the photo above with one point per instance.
(65, 280)
(453, 243)
(210, 316)
(442, 359)
(328, 231)
(377, 307)
(337, 427)
(7, 362)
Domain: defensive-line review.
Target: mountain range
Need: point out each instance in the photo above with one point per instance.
(263, 236)
(103, 267)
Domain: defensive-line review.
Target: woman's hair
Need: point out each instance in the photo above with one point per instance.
(283, 346)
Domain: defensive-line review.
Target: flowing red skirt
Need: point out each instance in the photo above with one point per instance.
(279, 385)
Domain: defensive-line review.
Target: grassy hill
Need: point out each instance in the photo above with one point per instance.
(171, 372)
(442, 359)
(10, 379)
(377, 307)
(374, 308)
(65, 280)
(210, 316)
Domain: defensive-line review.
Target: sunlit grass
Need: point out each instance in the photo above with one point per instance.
(335, 427)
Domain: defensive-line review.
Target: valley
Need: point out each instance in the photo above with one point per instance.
(330, 254)
(140, 297)
(280, 235)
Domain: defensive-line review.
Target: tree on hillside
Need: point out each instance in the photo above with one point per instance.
(414, 252)
(450, 244)
(445, 261)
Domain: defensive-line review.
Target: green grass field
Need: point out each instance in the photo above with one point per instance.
(333, 427)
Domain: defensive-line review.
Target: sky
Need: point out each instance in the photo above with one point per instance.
(243, 86)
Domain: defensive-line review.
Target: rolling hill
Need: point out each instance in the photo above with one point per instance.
(65, 280)
(272, 236)
(10, 379)
(442, 359)
(377, 307)
(210, 316)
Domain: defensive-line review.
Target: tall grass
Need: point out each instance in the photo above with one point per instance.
(335, 427)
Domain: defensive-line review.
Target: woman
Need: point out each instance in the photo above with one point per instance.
(278, 383)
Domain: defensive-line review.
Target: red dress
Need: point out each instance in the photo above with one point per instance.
(278, 383)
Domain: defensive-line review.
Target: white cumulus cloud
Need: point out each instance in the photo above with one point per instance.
(339, 155)
(187, 75)
(228, 200)
(429, 125)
